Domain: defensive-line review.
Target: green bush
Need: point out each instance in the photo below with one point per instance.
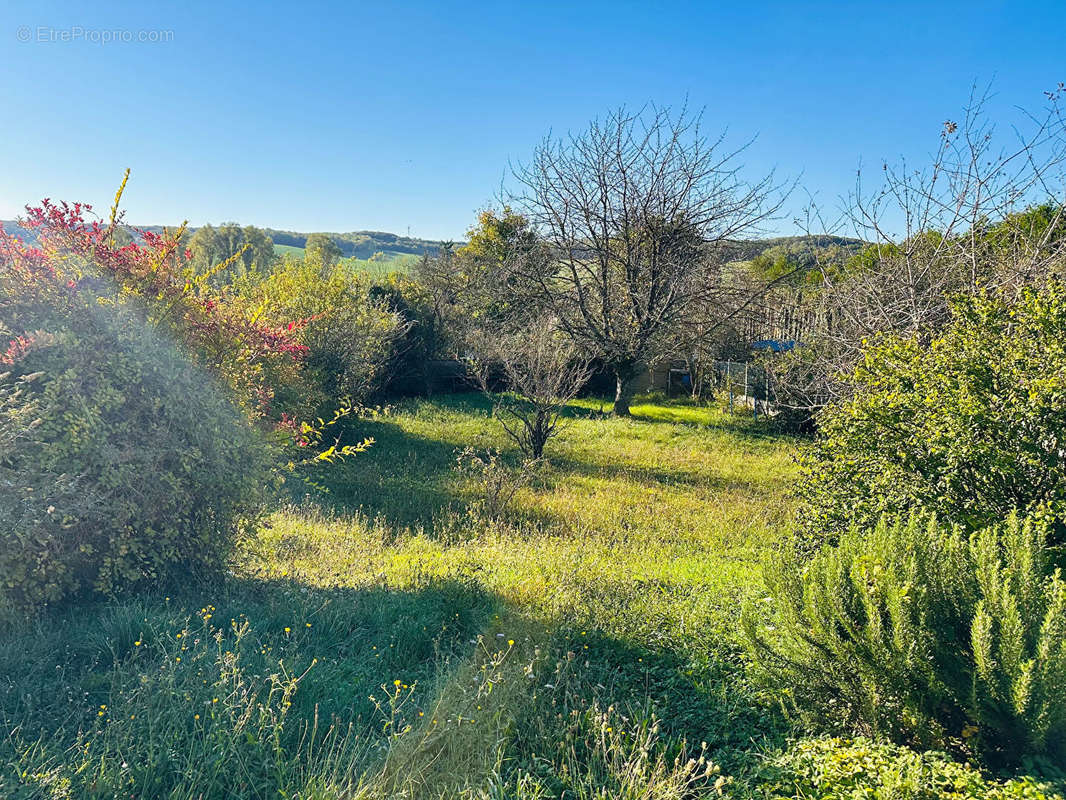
(351, 335)
(120, 461)
(918, 633)
(841, 769)
(968, 426)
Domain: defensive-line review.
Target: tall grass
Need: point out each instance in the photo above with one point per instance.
(389, 640)
(385, 640)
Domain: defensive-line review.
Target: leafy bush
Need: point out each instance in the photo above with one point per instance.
(841, 769)
(350, 338)
(968, 426)
(134, 463)
(121, 457)
(914, 631)
(248, 357)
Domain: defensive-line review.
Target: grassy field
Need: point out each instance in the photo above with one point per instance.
(288, 249)
(380, 268)
(389, 639)
(394, 261)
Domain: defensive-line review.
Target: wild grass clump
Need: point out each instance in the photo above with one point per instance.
(272, 688)
(184, 713)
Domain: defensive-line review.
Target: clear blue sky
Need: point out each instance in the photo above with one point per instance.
(389, 116)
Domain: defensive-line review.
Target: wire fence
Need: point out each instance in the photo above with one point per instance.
(744, 384)
(741, 377)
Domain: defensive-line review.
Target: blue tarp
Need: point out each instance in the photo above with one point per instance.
(773, 345)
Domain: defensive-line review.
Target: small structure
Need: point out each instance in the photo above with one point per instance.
(774, 345)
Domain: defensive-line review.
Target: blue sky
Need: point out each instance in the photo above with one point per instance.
(397, 116)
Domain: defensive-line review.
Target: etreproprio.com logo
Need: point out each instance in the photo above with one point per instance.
(48, 34)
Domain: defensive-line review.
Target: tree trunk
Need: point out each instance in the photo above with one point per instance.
(625, 388)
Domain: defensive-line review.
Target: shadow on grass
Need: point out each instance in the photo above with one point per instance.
(59, 670)
(651, 477)
(744, 427)
(653, 409)
(409, 480)
(712, 702)
(406, 478)
(159, 659)
(646, 409)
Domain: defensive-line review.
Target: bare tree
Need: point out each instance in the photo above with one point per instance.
(541, 371)
(985, 215)
(636, 215)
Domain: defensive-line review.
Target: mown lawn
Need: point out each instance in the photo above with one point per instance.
(384, 638)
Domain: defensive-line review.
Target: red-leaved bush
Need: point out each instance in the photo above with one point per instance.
(138, 427)
(246, 356)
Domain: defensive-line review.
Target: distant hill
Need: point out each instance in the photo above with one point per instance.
(746, 250)
(364, 244)
(355, 244)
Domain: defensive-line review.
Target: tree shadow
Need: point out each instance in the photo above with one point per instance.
(409, 480)
(742, 427)
(404, 478)
(651, 477)
(653, 410)
(711, 702)
(349, 644)
(352, 645)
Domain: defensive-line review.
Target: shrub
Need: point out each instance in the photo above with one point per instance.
(841, 769)
(968, 426)
(496, 481)
(135, 462)
(916, 632)
(249, 358)
(126, 449)
(350, 338)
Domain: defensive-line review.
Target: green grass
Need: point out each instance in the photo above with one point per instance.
(388, 639)
(393, 261)
(382, 267)
(288, 249)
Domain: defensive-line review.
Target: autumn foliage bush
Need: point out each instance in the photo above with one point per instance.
(349, 338)
(137, 413)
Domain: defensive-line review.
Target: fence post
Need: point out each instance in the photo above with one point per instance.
(755, 397)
